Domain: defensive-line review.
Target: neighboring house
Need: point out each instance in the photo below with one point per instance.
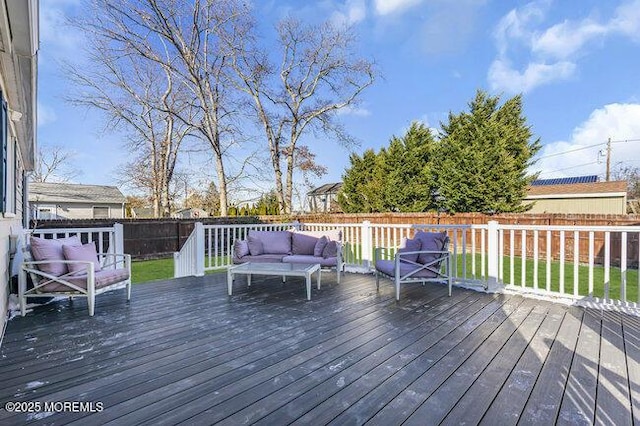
(190, 213)
(18, 76)
(73, 201)
(582, 194)
(324, 199)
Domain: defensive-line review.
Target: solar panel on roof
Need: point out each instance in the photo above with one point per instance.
(566, 181)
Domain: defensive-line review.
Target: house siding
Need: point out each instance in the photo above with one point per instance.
(78, 211)
(600, 205)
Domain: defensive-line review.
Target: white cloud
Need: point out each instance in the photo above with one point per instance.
(502, 76)
(387, 7)
(552, 52)
(55, 33)
(352, 12)
(582, 153)
(354, 110)
(46, 115)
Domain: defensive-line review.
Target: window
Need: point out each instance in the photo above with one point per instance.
(101, 212)
(45, 213)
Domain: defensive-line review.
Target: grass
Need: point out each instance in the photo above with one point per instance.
(160, 269)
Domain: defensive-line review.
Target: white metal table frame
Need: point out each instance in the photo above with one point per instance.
(278, 269)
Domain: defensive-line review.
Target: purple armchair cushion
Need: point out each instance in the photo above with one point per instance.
(85, 252)
(273, 242)
(255, 245)
(318, 249)
(387, 267)
(240, 248)
(430, 241)
(103, 279)
(410, 245)
(303, 244)
(330, 250)
(51, 249)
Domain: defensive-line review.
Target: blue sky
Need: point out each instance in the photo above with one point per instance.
(577, 64)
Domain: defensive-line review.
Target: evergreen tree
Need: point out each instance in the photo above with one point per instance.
(362, 184)
(482, 159)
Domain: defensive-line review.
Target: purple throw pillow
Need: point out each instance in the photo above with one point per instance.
(85, 252)
(410, 245)
(430, 241)
(51, 249)
(318, 249)
(330, 250)
(240, 248)
(255, 245)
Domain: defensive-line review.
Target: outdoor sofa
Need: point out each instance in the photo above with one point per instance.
(315, 247)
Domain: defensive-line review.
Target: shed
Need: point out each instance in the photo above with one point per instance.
(587, 197)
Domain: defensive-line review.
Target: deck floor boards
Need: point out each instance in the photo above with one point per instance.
(182, 351)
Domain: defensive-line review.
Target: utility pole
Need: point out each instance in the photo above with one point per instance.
(608, 173)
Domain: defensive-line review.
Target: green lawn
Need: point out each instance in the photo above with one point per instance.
(159, 269)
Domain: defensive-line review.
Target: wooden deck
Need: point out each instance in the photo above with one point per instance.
(183, 351)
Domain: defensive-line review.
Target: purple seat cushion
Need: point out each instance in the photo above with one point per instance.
(302, 244)
(273, 242)
(320, 245)
(51, 249)
(240, 248)
(387, 267)
(409, 245)
(299, 258)
(84, 252)
(330, 250)
(103, 278)
(430, 241)
(261, 258)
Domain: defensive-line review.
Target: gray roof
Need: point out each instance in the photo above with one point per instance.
(328, 188)
(46, 192)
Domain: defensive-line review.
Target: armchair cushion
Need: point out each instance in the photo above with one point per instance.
(410, 245)
(103, 278)
(84, 252)
(387, 267)
(430, 241)
(51, 250)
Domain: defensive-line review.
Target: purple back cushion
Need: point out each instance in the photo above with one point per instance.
(320, 245)
(330, 250)
(408, 245)
(255, 245)
(51, 249)
(240, 248)
(273, 242)
(84, 252)
(430, 241)
(303, 244)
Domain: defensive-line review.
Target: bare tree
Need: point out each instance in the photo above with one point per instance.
(183, 37)
(54, 164)
(318, 75)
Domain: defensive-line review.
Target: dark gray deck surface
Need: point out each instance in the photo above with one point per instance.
(183, 351)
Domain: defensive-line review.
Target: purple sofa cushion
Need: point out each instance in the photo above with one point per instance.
(255, 245)
(303, 244)
(51, 249)
(410, 245)
(320, 245)
(103, 278)
(85, 252)
(299, 258)
(430, 241)
(387, 267)
(261, 258)
(330, 250)
(273, 242)
(240, 248)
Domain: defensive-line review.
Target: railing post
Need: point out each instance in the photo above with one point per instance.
(493, 257)
(199, 248)
(366, 242)
(118, 231)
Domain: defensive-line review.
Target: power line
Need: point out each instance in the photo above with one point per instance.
(567, 168)
(571, 150)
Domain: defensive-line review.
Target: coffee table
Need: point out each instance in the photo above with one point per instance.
(279, 269)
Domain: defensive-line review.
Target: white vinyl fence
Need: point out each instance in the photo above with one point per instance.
(575, 262)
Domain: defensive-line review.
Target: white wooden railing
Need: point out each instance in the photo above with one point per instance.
(575, 262)
(109, 240)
